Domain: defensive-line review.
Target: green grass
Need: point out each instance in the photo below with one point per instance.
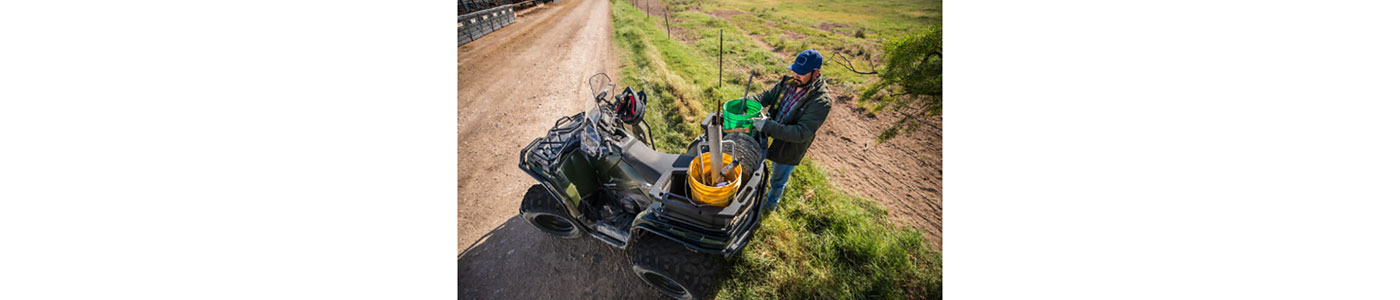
(856, 29)
(821, 243)
(666, 70)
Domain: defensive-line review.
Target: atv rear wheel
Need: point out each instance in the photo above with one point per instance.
(541, 210)
(674, 270)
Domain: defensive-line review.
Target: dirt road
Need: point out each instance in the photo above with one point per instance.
(512, 85)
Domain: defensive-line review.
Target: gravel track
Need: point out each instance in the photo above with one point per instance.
(512, 85)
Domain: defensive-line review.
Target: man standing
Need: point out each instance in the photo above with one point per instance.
(798, 106)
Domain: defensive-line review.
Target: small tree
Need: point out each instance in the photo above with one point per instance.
(913, 72)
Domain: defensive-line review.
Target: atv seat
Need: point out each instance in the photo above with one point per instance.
(650, 163)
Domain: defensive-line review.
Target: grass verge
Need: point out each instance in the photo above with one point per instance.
(821, 243)
(854, 29)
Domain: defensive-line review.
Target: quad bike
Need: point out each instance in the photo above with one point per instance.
(600, 175)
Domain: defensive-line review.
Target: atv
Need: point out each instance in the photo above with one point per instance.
(600, 174)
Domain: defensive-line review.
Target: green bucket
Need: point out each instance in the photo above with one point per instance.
(734, 116)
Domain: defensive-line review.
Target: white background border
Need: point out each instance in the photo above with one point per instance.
(1171, 150)
(306, 149)
(227, 150)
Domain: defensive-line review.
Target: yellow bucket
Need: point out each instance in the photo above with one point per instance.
(704, 191)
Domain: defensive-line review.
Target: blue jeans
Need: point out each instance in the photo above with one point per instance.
(776, 183)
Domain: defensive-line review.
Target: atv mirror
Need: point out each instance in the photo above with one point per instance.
(601, 97)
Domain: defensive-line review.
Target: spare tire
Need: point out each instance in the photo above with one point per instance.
(746, 150)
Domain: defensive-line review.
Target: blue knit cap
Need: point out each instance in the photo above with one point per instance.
(806, 61)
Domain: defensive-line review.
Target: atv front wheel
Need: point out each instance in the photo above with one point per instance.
(540, 209)
(674, 270)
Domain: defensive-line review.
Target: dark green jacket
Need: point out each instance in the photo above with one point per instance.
(791, 139)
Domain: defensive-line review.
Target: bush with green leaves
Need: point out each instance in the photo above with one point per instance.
(912, 75)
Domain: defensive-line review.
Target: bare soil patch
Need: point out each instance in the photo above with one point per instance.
(657, 9)
(725, 13)
(758, 40)
(831, 27)
(652, 7)
(904, 174)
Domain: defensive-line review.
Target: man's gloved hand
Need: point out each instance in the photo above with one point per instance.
(759, 123)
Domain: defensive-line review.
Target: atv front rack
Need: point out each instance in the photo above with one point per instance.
(545, 151)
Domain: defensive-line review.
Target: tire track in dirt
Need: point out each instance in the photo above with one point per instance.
(512, 85)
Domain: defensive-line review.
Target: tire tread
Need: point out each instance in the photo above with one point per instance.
(696, 272)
